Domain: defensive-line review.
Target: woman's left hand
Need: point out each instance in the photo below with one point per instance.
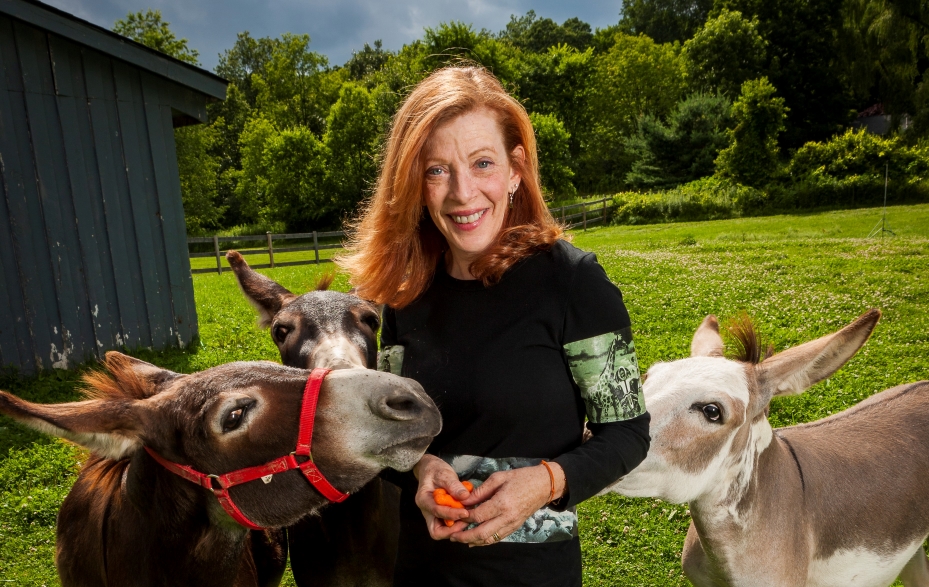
(505, 501)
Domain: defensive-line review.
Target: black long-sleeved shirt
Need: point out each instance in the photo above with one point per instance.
(514, 369)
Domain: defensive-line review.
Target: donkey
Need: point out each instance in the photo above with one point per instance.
(843, 501)
(135, 518)
(354, 544)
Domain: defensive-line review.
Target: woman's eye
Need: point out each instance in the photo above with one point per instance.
(434, 171)
(484, 164)
(233, 419)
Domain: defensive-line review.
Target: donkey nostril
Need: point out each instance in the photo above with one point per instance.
(399, 405)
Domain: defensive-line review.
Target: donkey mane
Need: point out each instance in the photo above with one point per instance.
(748, 346)
(325, 281)
(122, 381)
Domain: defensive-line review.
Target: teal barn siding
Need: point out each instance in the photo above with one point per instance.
(93, 252)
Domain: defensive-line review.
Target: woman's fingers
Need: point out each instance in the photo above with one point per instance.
(485, 490)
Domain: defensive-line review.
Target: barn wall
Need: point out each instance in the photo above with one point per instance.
(93, 252)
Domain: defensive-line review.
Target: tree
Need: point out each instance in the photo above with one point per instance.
(295, 167)
(352, 140)
(367, 61)
(149, 29)
(665, 21)
(536, 35)
(558, 82)
(684, 148)
(199, 176)
(554, 156)
(752, 156)
(802, 62)
(635, 78)
(291, 91)
(725, 53)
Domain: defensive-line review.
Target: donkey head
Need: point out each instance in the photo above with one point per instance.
(243, 415)
(709, 414)
(317, 329)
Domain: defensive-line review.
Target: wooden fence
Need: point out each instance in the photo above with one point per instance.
(573, 216)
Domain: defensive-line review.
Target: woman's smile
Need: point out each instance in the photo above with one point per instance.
(467, 220)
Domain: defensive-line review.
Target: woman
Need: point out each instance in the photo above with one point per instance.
(512, 331)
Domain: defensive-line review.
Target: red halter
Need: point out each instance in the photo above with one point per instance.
(264, 472)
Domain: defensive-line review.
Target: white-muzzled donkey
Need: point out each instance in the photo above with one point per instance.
(842, 501)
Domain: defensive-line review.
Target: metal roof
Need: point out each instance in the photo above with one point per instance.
(80, 31)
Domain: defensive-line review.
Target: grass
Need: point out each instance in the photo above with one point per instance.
(800, 276)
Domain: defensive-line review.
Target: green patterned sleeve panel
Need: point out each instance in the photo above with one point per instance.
(390, 359)
(607, 372)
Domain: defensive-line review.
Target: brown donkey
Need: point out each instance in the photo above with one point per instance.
(354, 544)
(840, 502)
(130, 521)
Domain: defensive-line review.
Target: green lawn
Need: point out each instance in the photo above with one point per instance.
(800, 276)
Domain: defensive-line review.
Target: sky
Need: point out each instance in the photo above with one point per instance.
(336, 27)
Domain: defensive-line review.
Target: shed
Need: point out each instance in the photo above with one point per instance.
(93, 252)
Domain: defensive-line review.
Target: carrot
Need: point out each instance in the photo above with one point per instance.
(442, 497)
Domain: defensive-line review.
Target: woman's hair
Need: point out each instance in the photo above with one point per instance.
(394, 245)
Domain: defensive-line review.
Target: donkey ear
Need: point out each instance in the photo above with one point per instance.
(265, 295)
(130, 372)
(795, 370)
(707, 342)
(110, 428)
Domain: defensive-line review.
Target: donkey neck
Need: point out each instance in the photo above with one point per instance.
(729, 519)
(186, 523)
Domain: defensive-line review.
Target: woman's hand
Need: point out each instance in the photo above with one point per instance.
(505, 501)
(432, 473)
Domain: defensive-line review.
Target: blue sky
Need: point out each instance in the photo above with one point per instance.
(335, 27)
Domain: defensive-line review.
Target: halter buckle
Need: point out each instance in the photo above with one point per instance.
(218, 481)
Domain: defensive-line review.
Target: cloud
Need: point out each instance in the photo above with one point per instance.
(336, 27)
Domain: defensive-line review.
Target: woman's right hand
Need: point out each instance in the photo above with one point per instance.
(432, 473)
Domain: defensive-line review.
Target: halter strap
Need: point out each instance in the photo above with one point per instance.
(220, 484)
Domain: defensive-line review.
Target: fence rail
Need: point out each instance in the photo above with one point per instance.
(589, 213)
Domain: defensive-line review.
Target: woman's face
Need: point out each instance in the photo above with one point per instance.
(468, 179)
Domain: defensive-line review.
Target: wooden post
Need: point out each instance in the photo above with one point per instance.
(316, 247)
(270, 250)
(603, 214)
(562, 214)
(584, 208)
(219, 264)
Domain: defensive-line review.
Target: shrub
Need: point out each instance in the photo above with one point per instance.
(709, 198)
(848, 170)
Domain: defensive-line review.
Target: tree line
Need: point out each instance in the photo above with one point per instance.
(675, 91)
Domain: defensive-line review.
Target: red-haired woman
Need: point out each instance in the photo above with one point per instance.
(516, 334)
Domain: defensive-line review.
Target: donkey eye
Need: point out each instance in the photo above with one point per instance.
(712, 413)
(234, 418)
(372, 322)
(280, 332)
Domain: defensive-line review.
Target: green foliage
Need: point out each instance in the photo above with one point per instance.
(802, 62)
(665, 21)
(554, 156)
(635, 78)
(352, 138)
(149, 29)
(367, 61)
(558, 82)
(752, 157)
(294, 173)
(537, 35)
(198, 169)
(684, 148)
(849, 169)
(724, 53)
(710, 198)
(454, 42)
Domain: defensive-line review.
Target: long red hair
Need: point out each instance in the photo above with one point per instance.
(394, 246)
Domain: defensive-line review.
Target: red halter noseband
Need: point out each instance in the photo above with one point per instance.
(264, 472)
